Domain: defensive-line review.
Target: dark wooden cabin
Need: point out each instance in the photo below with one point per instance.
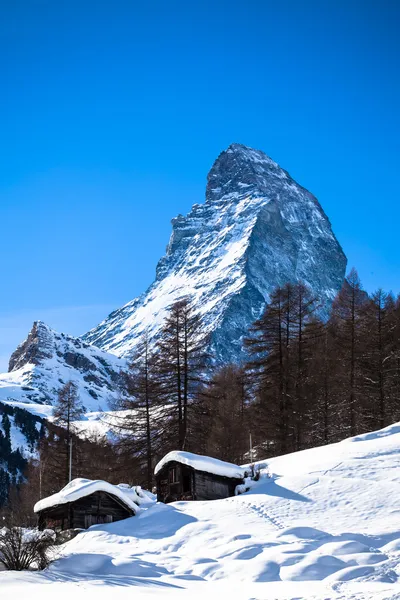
(178, 481)
(97, 507)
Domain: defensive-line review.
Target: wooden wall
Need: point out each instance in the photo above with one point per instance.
(203, 486)
(98, 507)
(212, 487)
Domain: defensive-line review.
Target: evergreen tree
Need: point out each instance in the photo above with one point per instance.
(6, 424)
(277, 366)
(181, 364)
(346, 325)
(68, 409)
(142, 422)
(4, 486)
(375, 361)
(224, 405)
(320, 402)
(305, 330)
(266, 373)
(5, 438)
(53, 451)
(392, 357)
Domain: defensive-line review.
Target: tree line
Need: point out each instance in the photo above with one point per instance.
(306, 382)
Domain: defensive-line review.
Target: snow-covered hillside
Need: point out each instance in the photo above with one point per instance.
(46, 360)
(257, 229)
(326, 525)
(20, 432)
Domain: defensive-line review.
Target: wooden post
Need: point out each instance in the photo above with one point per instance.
(251, 457)
(70, 459)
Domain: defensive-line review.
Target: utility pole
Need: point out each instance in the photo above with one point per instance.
(70, 458)
(251, 456)
(40, 480)
(42, 466)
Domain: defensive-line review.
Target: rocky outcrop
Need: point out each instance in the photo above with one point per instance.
(46, 360)
(257, 229)
(36, 348)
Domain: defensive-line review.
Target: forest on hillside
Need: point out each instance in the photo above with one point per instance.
(306, 382)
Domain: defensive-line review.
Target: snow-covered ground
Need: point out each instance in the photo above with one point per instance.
(326, 525)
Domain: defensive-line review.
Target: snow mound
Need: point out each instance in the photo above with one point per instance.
(202, 463)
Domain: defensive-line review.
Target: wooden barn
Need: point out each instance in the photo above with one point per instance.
(186, 476)
(83, 503)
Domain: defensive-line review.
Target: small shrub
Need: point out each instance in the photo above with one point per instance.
(22, 549)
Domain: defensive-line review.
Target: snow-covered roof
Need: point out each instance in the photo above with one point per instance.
(79, 488)
(202, 463)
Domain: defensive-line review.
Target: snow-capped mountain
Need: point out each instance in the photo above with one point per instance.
(46, 360)
(257, 229)
(38, 369)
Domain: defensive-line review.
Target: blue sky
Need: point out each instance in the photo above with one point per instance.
(112, 113)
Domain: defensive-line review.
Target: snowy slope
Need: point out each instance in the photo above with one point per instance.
(257, 229)
(326, 525)
(46, 360)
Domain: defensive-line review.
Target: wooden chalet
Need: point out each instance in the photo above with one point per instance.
(187, 476)
(83, 503)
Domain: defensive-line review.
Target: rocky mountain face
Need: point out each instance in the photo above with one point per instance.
(257, 229)
(46, 360)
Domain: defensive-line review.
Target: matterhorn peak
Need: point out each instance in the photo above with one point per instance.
(248, 154)
(256, 230)
(241, 169)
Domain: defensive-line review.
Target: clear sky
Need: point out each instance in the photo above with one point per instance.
(112, 113)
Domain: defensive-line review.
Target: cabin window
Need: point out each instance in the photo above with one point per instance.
(55, 524)
(173, 475)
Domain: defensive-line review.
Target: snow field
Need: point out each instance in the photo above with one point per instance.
(325, 525)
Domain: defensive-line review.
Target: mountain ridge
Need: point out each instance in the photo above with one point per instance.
(46, 360)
